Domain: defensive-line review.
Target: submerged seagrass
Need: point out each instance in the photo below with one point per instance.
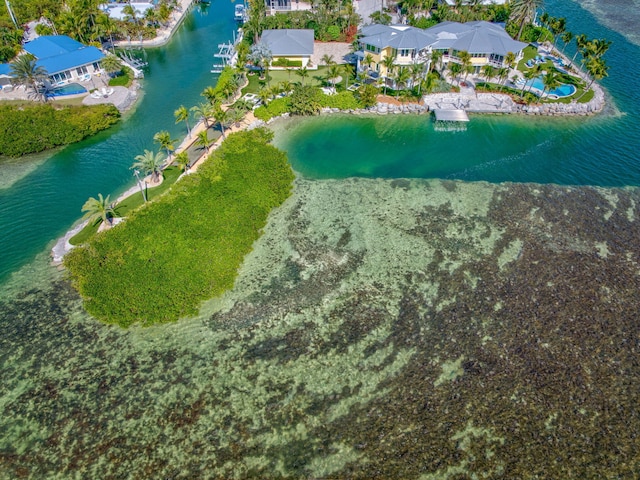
(173, 253)
(379, 329)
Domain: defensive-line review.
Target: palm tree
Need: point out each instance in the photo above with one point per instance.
(261, 56)
(302, 73)
(150, 163)
(597, 69)
(210, 94)
(530, 75)
(566, 39)
(221, 117)
(265, 95)
(503, 74)
(465, 61)
(347, 69)
(389, 63)
(402, 78)
(327, 59)
(99, 209)
(111, 64)
(436, 58)
(455, 68)
(181, 114)
(203, 112)
(333, 74)
(417, 72)
(25, 72)
(165, 141)
(368, 59)
(581, 41)
(488, 71)
(204, 140)
(509, 59)
(550, 80)
(523, 12)
(182, 160)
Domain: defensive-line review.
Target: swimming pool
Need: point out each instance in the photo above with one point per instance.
(71, 89)
(564, 90)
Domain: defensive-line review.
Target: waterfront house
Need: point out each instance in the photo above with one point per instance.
(64, 58)
(487, 43)
(289, 47)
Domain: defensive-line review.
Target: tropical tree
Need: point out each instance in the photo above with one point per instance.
(150, 163)
(503, 74)
(389, 64)
(182, 160)
(530, 75)
(455, 68)
(333, 73)
(210, 93)
(509, 59)
(261, 56)
(558, 26)
(25, 72)
(181, 114)
(204, 140)
(327, 59)
(221, 117)
(402, 77)
(302, 73)
(550, 81)
(597, 69)
(99, 209)
(436, 59)
(465, 62)
(347, 70)
(165, 141)
(202, 112)
(523, 12)
(581, 41)
(417, 72)
(566, 39)
(111, 64)
(488, 71)
(368, 60)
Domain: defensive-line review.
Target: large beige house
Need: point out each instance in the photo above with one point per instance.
(487, 43)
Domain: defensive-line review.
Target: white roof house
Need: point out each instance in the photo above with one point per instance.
(291, 44)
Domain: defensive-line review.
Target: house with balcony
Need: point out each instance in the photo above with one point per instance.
(487, 43)
(64, 58)
(406, 45)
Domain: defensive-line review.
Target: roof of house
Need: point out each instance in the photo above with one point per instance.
(5, 69)
(396, 36)
(288, 41)
(473, 37)
(57, 53)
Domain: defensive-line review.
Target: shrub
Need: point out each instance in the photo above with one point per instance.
(187, 246)
(305, 100)
(334, 32)
(343, 101)
(368, 94)
(285, 62)
(40, 127)
(275, 108)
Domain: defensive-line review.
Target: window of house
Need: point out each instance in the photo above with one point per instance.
(405, 52)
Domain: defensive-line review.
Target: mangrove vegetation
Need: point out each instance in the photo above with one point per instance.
(173, 253)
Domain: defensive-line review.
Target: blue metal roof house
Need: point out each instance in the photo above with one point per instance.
(64, 58)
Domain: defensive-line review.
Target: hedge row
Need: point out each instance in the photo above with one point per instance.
(186, 247)
(35, 128)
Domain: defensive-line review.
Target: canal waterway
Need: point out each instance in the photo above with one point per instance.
(41, 197)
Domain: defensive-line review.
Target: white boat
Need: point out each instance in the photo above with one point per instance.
(240, 13)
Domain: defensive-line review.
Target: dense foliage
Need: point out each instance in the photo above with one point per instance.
(82, 20)
(39, 127)
(274, 108)
(186, 247)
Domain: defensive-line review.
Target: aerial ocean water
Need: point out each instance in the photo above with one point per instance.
(427, 305)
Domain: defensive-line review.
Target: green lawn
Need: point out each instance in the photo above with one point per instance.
(129, 204)
(316, 77)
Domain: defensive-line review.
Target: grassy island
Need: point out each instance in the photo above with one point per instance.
(34, 128)
(186, 247)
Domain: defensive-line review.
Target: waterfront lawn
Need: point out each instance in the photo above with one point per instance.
(528, 53)
(129, 204)
(316, 77)
(124, 79)
(187, 246)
